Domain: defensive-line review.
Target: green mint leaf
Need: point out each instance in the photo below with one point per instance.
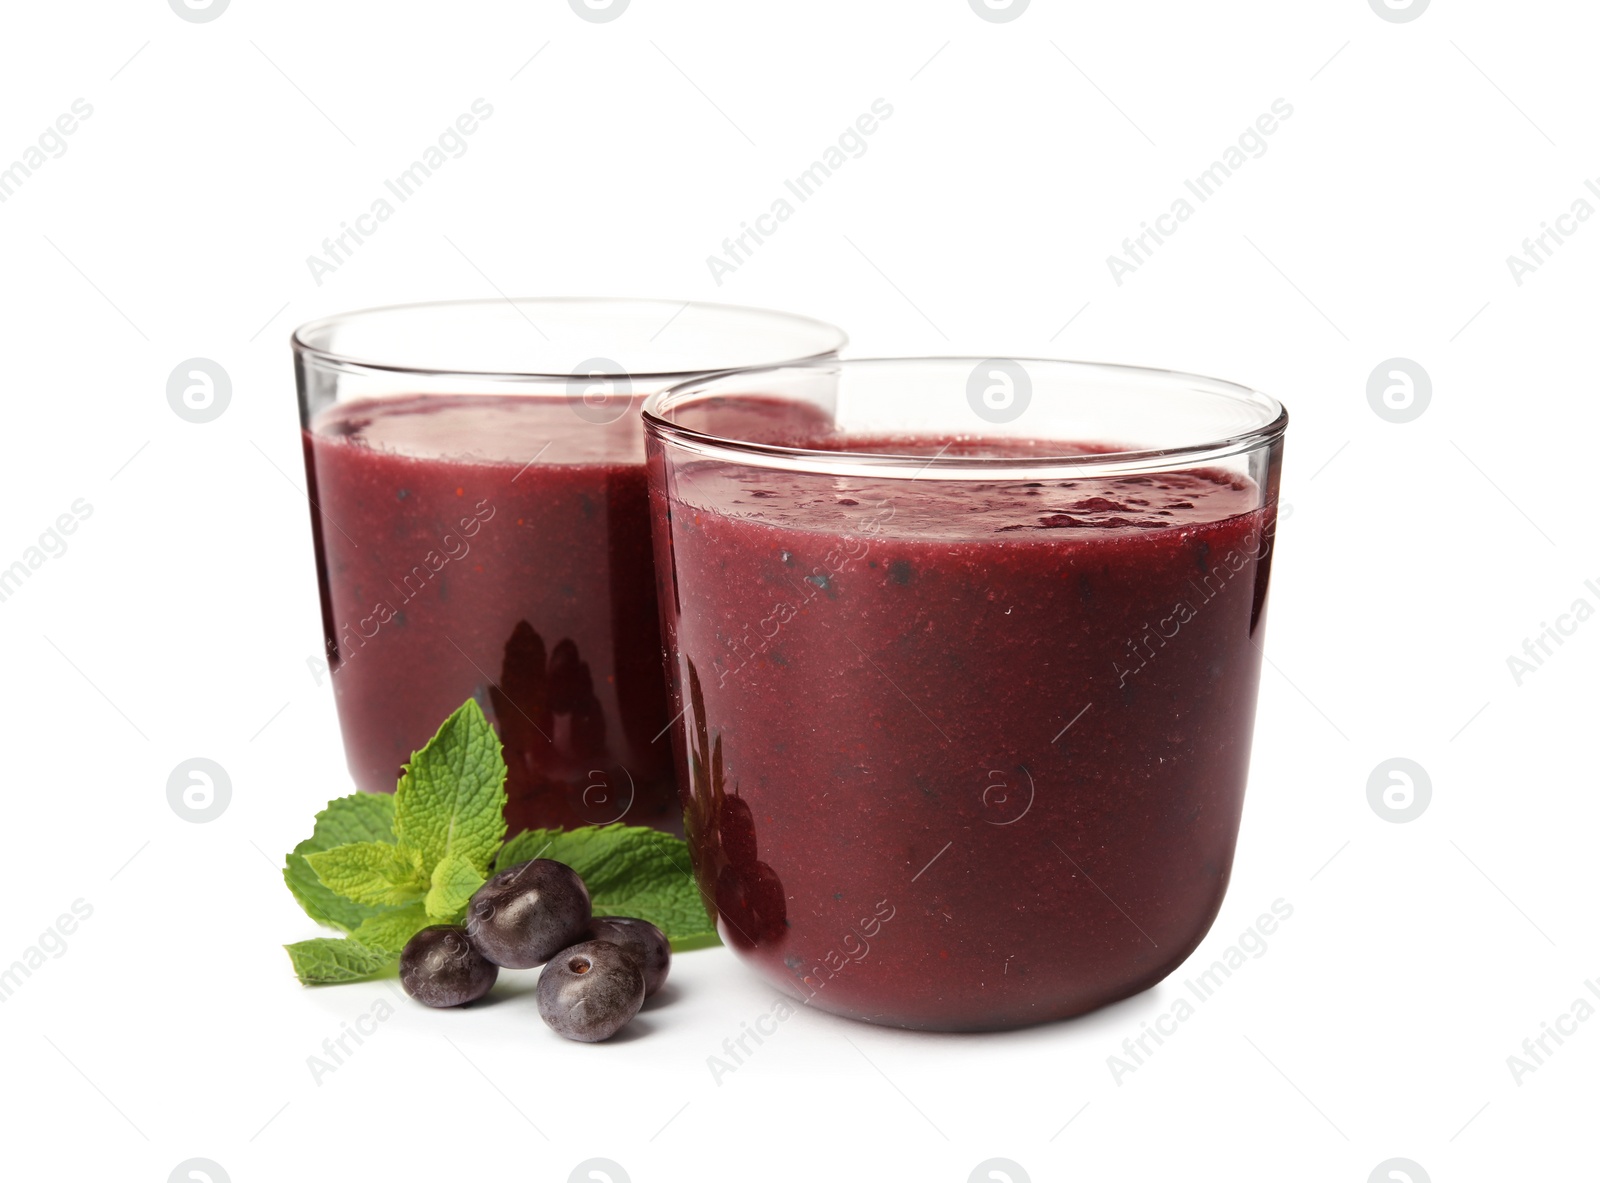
(454, 881)
(327, 961)
(452, 793)
(630, 871)
(530, 844)
(360, 817)
(389, 931)
(696, 940)
(374, 873)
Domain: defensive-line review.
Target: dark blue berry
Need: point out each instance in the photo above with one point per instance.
(528, 913)
(588, 992)
(642, 941)
(439, 967)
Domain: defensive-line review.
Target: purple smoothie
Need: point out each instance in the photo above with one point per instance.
(960, 754)
(496, 548)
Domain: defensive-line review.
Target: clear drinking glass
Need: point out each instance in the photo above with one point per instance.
(966, 652)
(476, 471)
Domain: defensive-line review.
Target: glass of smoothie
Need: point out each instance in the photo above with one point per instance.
(477, 483)
(966, 654)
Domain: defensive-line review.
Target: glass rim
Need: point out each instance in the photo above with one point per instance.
(301, 339)
(856, 462)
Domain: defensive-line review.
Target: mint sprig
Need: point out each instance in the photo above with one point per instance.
(454, 880)
(378, 874)
(449, 802)
(381, 868)
(327, 961)
(389, 931)
(361, 817)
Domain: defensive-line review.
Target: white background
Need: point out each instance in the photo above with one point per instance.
(1416, 559)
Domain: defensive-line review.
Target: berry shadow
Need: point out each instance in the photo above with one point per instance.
(666, 996)
(637, 1028)
(511, 986)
